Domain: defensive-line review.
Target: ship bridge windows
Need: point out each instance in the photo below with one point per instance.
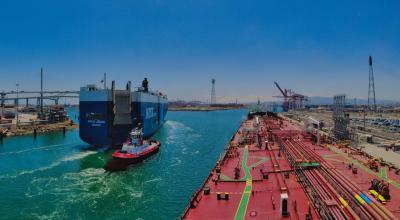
(91, 87)
(95, 116)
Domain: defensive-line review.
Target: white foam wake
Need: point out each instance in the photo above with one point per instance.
(47, 147)
(77, 156)
(153, 180)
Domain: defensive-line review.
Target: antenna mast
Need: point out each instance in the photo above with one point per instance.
(213, 98)
(105, 80)
(371, 87)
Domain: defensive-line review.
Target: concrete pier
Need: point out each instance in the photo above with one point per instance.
(378, 152)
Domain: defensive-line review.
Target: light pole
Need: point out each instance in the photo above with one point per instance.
(17, 102)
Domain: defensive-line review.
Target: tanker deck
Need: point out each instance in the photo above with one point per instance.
(274, 170)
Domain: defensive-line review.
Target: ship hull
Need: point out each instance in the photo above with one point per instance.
(273, 169)
(151, 116)
(99, 126)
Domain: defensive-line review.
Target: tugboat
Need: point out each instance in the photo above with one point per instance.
(136, 149)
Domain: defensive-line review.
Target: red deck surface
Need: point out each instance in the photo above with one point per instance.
(253, 197)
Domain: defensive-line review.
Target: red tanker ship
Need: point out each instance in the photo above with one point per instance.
(273, 169)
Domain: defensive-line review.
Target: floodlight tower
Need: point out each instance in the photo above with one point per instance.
(41, 93)
(371, 87)
(213, 98)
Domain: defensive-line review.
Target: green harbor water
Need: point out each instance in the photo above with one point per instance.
(61, 177)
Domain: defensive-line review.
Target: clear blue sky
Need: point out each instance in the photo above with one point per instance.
(314, 47)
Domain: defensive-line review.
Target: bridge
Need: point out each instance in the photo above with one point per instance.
(39, 95)
(53, 95)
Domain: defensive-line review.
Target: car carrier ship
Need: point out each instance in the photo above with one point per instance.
(108, 115)
(273, 168)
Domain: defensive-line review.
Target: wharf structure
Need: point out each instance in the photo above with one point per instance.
(273, 169)
(21, 119)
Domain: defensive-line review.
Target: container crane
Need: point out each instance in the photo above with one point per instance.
(291, 100)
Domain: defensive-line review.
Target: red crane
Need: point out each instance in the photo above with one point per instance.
(291, 100)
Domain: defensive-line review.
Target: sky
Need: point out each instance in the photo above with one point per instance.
(317, 48)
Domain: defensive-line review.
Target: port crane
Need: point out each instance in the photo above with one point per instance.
(291, 100)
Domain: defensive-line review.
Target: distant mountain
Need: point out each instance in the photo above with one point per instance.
(317, 100)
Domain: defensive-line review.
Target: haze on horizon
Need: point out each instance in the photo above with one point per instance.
(315, 48)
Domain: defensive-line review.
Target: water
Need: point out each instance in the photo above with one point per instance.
(61, 177)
